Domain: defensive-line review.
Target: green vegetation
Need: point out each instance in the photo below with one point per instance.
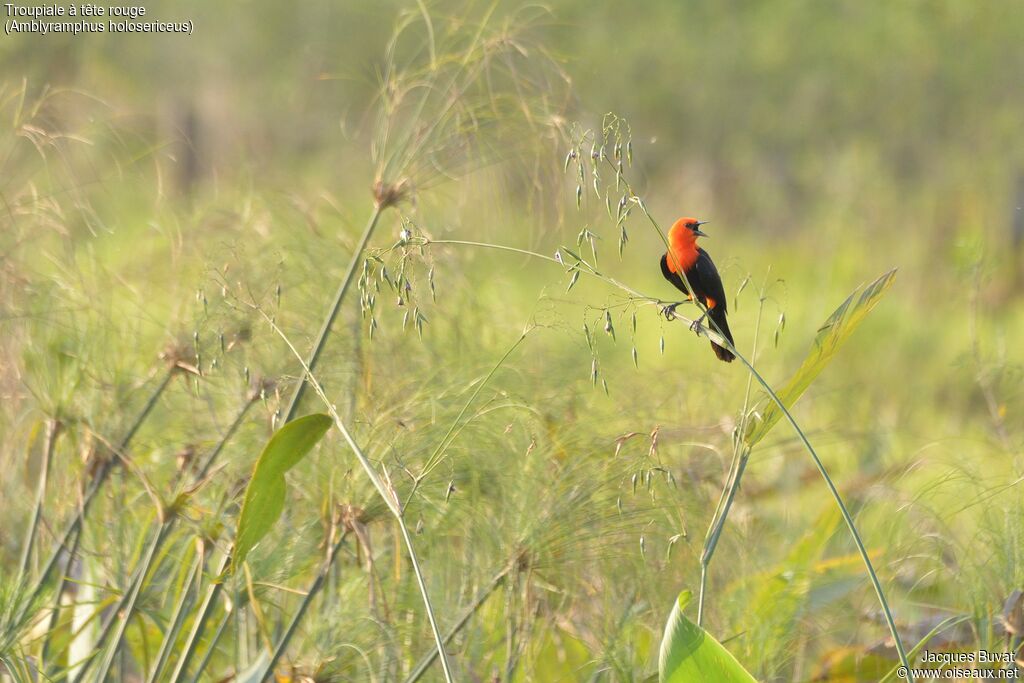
(416, 224)
(688, 653)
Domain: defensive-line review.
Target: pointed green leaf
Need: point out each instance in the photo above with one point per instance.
(689, 654)
(265, 494)
(839, 326)
(570, 252)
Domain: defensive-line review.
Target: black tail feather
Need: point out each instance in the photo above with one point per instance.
(717, 316)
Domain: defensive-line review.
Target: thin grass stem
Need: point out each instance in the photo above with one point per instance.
(339, 297)
(177, 620)
(721, 341)
(122, 613)
(387, 494)
(53, 428)
(98, 481)
(222, 628)
(438, 452)
(741, 456)
(838, 498)
(199, 624)
(715, 336)
(51, 626)
(496, 581)
(293, 625)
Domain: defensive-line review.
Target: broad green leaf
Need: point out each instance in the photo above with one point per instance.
(839, 326)
(265, 494)
(689, 654)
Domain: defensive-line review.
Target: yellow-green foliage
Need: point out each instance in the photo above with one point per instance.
(156, 191)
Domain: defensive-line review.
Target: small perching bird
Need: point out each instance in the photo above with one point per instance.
(684, 256)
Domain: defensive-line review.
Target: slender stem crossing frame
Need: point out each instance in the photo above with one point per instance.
(715, 336)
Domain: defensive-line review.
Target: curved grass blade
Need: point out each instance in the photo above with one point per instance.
(265, 494)
(689, 654)
(948, 623)
(836, 330)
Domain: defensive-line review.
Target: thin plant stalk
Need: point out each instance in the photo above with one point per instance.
(850, 524)
(715, 336)
(516, 650)
(177, 619)
(732, 487)
(74, 529)
(199, 624)
(387, 493)
(339, 297)
(421, 582)
(211, 459)
(837, 497)
(53, 428)
(496, 581)
(511, 646)
(222, 628)
(55, 614)
(123, 611)
(634, 295)
(741, 455)
(321, 576)
(325, 330)
(434, 458)
(127, 606)
(119, 613)
(438, 452)
(99, 480)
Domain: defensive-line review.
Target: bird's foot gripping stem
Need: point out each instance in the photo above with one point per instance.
(696, 326)
(670, 311)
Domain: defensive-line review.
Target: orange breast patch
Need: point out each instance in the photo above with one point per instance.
(681, 258)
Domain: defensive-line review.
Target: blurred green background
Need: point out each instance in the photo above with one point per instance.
(162, 178)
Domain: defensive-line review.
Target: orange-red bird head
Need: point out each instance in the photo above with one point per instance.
(682, 242)
(687, 229)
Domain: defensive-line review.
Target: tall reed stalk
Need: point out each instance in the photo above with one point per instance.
(325, 328)
(97, 482)
(213, 593)
(460, 622)
(741, 456)
(177, 620)
(167, 518)
(53, 428)
(576, 265)
(195, 635)
(387, 494)
(615, 134)
(307, 600)
(430, 119)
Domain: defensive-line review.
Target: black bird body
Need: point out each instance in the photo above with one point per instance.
(684, 255)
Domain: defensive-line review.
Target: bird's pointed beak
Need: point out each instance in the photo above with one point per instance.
(698, 232)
